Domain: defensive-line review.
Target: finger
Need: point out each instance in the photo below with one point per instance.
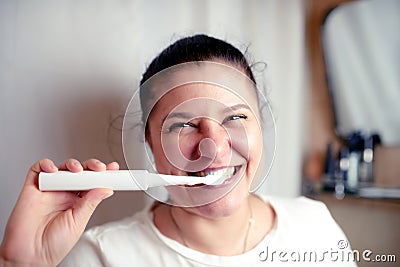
(94, 165)
(71, 165)
(112, 166)
(86, 205)
(45, 165)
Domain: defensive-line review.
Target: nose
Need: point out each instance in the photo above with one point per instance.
(215, 140)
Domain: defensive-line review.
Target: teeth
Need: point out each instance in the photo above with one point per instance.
(224, 173)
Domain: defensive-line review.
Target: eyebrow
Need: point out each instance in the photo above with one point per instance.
(236, 107)
(182, 115)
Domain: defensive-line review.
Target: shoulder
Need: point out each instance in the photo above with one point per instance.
(301, 208)
(305, 221)
(305, 230)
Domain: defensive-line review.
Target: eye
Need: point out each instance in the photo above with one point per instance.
(179, 125)
(234, 117)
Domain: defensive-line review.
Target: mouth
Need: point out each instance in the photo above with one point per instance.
(221, 176)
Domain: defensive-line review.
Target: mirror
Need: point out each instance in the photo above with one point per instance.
(361, 46)
(354, 57)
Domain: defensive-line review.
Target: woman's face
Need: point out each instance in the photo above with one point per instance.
(200, 129)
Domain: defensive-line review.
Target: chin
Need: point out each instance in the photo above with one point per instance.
(225, 206)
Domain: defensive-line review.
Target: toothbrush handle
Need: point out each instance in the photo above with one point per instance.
(85, 180)
(116, 180)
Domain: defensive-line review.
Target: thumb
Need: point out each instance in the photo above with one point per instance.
(86, 205)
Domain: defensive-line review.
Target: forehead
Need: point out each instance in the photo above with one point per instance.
(202, 91)
(211, 80)
(199, 99)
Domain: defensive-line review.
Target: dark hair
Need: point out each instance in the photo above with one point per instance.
(189, 49)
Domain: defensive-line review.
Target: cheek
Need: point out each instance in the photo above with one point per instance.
(179, 149)
(247, 141)
(158, 150)
(159, 159)
(255, 146)
(255, 143)
(179, 153)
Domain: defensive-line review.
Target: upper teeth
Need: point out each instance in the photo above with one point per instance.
(224, 173)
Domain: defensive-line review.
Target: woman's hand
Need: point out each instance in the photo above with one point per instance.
(44, 226)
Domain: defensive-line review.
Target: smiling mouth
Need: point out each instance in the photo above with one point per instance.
(220, 175)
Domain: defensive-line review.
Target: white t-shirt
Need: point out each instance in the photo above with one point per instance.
(304, 234)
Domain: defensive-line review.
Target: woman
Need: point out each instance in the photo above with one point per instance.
(194, 126)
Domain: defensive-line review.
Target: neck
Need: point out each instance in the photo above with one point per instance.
(225, 236)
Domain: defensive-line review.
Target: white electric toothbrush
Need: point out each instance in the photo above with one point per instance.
(117, 180)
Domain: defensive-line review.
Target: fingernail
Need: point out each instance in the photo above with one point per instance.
(52, 165)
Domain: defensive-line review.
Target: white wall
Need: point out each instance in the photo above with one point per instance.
(68, 67)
